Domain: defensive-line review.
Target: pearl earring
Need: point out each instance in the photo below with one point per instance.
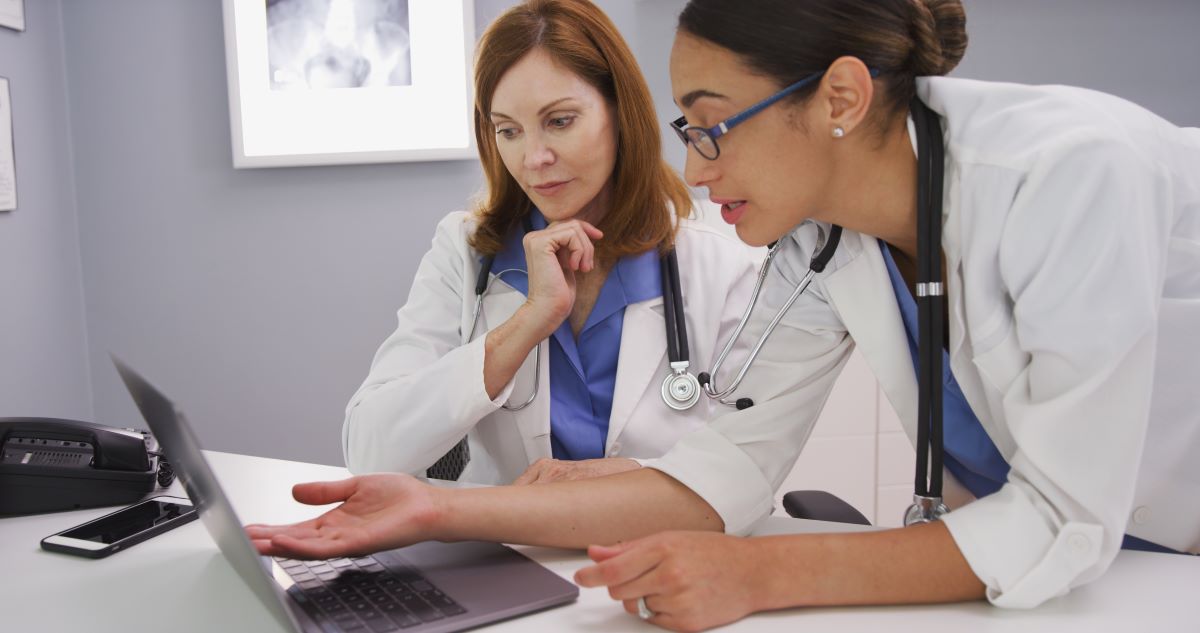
(838, 132)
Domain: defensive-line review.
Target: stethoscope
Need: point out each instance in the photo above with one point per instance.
(825, 248)
(680, 389)
(927, 494)
(927, 503)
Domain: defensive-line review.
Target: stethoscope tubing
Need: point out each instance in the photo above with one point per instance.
(826, 247)
(930, 297)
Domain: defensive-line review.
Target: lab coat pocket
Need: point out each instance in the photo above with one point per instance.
(1003, 362)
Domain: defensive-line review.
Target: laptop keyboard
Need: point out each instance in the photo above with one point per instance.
(359, 594)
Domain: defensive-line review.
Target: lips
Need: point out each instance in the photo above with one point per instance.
(731, 209)
(550, 188)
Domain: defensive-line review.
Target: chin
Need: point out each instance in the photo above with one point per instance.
(556, 211)
(752, 237)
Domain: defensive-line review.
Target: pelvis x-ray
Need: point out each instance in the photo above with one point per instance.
(320, 44)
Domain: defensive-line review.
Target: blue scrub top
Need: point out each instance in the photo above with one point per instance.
(583, 371)
(970, 454)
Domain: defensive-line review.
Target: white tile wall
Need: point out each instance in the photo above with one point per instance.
(857, 451)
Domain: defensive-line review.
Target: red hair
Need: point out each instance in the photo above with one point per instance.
(579, 36)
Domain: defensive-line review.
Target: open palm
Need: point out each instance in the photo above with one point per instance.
(377, 512)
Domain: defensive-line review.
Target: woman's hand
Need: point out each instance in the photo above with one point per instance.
(547, 470)
(553, 256)
(377, 512)
(690, 580)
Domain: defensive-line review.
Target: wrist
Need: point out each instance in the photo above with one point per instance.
(536, 321)
(771, 589)
(437, 523)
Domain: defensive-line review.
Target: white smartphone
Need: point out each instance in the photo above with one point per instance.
(122, 529)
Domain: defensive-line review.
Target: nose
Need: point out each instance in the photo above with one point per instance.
(538, 153)
(698, 171)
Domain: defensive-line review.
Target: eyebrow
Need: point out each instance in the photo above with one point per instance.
(540, 112)
(688, 99)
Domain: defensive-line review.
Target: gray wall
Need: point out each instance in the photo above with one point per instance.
(257, 298)
(43, 359)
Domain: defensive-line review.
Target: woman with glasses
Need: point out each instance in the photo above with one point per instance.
(1069, 417)
(534, 345)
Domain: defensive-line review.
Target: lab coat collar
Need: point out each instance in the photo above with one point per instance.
(643, 352)
(859, 291)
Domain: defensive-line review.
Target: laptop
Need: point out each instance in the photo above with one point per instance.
(426, 588)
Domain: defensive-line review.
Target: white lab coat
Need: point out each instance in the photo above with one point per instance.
(425, 388)
(1072, 246)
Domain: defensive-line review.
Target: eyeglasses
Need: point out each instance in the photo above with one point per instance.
(705, 139)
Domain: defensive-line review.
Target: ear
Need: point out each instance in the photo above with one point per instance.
(846, 94)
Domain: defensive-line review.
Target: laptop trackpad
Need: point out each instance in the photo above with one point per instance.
(491, 581)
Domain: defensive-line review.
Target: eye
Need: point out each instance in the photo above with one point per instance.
(561, 122)
(507, 132)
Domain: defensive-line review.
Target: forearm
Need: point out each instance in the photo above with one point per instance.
(919, 564)
(507, 346)
(573, 514)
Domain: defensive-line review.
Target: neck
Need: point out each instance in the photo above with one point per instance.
(885, 204)
(595, 210)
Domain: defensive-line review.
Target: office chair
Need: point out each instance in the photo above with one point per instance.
(451, 465)
(819, 505)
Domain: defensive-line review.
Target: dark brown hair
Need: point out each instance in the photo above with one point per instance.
(786, 40)
(579, 36)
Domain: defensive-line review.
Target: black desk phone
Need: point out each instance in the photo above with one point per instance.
(50, 464)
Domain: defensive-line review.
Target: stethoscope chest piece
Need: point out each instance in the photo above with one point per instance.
(680, 389)
(924, 510)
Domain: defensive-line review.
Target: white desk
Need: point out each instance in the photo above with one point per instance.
(179, 582)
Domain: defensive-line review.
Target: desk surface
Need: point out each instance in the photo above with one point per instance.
(179, 582)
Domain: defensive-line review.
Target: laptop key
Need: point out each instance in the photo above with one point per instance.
(400, 615)
(381, 624)
(381, 599)
(420, 608)
(421, 586)
(310, 608)
(443, 603)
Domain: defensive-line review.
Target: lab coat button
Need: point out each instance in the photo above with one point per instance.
(1141, 515)
(1079, 544)
(615, 450)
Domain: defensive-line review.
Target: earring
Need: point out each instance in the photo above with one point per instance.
(839, 132)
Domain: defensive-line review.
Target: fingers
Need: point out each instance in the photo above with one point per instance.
(320, 547)
(637, 560)
(319, 493)
(601, 553)
(575, 237)
(531, 474)
(306, 529)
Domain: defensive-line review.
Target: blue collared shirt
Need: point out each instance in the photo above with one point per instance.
(583, 370)
(970, 455)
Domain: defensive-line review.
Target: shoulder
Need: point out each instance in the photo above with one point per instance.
(453, 231)
(1023, 128)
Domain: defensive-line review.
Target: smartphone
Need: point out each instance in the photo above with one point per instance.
(123, 528)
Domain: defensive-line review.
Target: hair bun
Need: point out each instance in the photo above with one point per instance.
(939, 32)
